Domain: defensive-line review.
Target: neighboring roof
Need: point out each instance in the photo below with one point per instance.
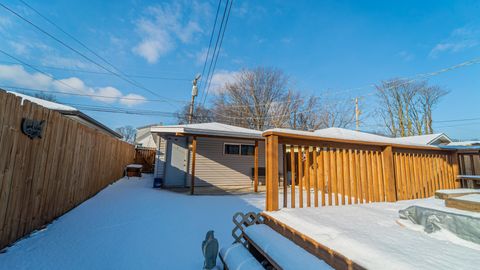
(346, 134)
(212, 129)
(425, 139)
(465, 143)
(69, 111)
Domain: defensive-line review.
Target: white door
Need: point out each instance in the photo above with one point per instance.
(176, 164)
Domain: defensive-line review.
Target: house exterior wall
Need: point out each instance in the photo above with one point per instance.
(212, 166)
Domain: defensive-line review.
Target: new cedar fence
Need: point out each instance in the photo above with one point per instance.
(42, 178)
(327, 171)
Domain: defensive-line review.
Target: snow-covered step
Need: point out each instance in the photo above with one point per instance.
(450, 193)
(469, 202)
(281, 252)
(237, 257)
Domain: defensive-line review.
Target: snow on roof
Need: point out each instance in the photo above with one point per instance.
(347, 134)
(423, 139)
(213, 128)
(464, 143)
(45, 103)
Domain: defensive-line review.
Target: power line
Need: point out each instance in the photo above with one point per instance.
(218, 53)
(104, 73)
(66, 84)
(215, 51)
(211, 38)
(77, 94)
(78, 52)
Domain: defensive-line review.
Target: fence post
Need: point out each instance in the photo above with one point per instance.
(389, 169)
(272, 173)
(455, 169)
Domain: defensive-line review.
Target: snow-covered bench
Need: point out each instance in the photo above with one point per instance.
(279, 251)
(450, 193)
(237, 257)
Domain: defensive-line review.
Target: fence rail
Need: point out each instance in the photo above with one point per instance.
(41, 179)
(326, 171)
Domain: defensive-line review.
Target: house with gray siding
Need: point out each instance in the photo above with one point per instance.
(209, 154)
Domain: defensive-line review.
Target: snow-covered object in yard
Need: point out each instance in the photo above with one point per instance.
(463, 226)
(212, 129)
(450, 193)
(470, 198)
(373, 236)
(45, 103)
(237, 257)
(284, 252)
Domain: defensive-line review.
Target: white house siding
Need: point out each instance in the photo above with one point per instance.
(213, 167)
(160, 158)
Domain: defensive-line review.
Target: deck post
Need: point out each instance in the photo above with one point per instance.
(389, 168)
(285, 184)
(272, 173)
(255, 169)
(194, 154)
(455, 169)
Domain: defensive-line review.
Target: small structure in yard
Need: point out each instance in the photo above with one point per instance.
(209, 155)
(133, 170)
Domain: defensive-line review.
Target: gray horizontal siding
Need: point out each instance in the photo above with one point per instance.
(213, 167)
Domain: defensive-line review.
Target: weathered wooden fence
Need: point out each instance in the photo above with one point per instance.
(146, 157)
(333, 171)
(469, 164)
(42, 178)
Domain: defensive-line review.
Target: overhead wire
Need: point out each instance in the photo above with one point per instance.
(215, 51)
(80, 53)
(210, 43)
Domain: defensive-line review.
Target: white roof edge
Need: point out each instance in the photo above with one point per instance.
(387, 141)
(213, 129)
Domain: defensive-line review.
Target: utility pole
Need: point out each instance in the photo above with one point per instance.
(194, 94)
(357, 114)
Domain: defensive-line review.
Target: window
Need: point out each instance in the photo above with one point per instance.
(248, 150)
(231, 149)
(238, 149)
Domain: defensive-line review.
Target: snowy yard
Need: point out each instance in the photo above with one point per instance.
(129, 225)
(373, 235)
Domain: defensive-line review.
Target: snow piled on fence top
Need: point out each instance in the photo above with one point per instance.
(373, 236)
(347, 134)
(45, 103)
(213, 129)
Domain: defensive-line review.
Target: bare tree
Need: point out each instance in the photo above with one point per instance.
(128, 133)
(254, 99)
(406, 106)
(201, 114)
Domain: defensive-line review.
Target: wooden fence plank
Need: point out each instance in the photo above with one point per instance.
(300, 176)
(294, 176)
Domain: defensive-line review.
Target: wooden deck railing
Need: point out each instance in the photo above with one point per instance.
(325, 171)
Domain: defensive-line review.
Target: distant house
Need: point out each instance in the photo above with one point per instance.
(71, 113)
(342, 133)
(225, 155)
(145, 138)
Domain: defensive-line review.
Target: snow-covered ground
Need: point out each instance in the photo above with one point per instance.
(374, 236)
(129, 225)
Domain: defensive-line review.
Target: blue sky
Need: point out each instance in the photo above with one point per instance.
(328, 48)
